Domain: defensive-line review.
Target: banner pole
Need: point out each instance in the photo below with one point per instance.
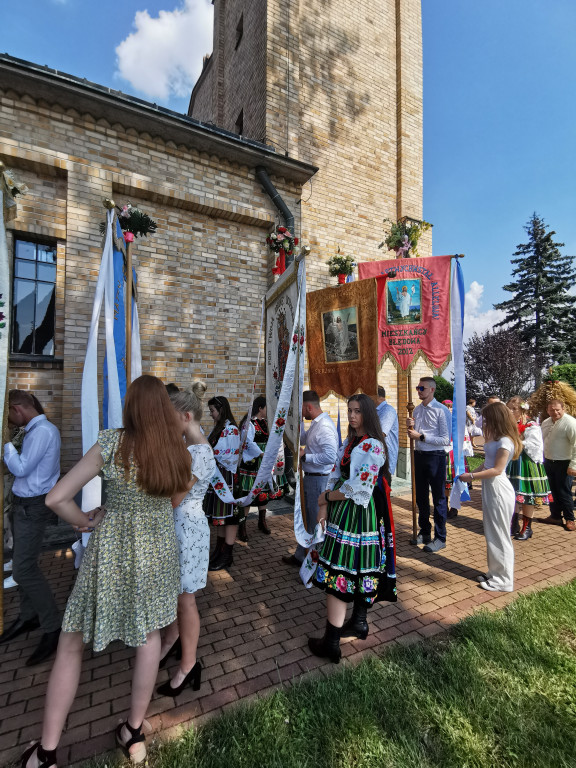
(128, 313)
(410, 408)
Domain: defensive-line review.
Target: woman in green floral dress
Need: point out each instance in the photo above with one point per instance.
(356, 561)
(128, 583)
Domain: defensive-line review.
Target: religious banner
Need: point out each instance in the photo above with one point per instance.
(341, 333)
(281, 307)
(413, 310)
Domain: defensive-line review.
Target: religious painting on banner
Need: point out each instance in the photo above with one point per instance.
(281, 307)
(413, 309)
(341, 336)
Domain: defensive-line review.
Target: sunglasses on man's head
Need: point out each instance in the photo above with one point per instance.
(422, 389)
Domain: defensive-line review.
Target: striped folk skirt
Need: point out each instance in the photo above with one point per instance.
(216, 509)
(246, 478)
(356, 560)
(529, 481)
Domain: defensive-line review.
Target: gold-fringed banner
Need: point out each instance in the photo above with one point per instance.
(341, 335)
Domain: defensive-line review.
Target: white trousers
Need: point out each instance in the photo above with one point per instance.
(498, 500)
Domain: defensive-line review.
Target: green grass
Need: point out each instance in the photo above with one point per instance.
(498, 690)
(475, 461)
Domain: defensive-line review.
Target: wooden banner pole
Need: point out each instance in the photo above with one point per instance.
(128, 313)
(410, 408)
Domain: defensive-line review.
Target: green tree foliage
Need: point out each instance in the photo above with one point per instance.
(498, 363)
(444, 389)
(541, 309)
(566, 372)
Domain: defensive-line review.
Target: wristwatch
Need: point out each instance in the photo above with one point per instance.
(422, 438)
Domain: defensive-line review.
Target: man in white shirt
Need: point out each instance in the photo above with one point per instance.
(431, 432)
(36, 470)
(389, 423)
(559, 433)
(318, 452)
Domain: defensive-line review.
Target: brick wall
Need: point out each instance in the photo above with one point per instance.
(201, 276)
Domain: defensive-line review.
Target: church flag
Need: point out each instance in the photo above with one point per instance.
(341, 325)
(413, 310)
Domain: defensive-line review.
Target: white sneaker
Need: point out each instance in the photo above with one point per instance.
(9, 583)
(8, 566)
(493, 588)
(482, 577)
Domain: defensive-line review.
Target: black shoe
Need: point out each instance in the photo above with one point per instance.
(262, 526)
(526, 532)
(137, 755)
(291, 560)
(46, 757)
(175, 650)
(327, 646)
(421, 539)
(18, 627)
(452, 513)
(224, 559)
(242, 535)
(220, 541)
(357, 624)
(46, 648)
(193, 678)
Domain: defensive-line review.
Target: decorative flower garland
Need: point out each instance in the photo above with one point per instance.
(133, 222)
(404, 235)
(281, 242)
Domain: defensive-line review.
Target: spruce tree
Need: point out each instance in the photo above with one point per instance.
(541, 309)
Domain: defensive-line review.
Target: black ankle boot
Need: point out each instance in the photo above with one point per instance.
(242, 535)
(327, 646)
(224, 559)
(220, 541)
(516, 524)
(526, 531)
(262, 526)
(357, 624)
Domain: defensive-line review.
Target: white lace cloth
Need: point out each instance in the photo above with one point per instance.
(365, 463)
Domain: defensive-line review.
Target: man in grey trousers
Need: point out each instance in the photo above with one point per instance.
(319, 448)
(36, 470)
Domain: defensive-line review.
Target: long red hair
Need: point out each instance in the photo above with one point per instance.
(152, 436)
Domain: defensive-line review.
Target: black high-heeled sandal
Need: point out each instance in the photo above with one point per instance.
(175, 650)
(46, 757)
(136, 737)
(193, 678)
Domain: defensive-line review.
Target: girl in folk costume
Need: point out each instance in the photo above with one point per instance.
(256, 440)
(225, 442)
(498, 497)
(128, 582)
(356, 561)
(467, 451)
(527, 473)
(193, 536)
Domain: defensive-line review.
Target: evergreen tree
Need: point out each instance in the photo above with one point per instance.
(541, 309)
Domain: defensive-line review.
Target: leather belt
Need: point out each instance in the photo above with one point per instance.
(317, 474)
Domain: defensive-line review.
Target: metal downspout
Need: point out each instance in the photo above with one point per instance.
(275, 197)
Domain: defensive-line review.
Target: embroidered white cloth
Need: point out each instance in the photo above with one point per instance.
(365, 462)
(227, 448)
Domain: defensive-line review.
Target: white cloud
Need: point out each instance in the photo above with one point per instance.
(476, 320)
(163, 56)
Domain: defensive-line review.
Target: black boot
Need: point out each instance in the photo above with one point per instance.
(262, 526)
(223, 560)
(357, 624)
(327, 646)
(220, 541)
(516, 524)
(526, 532)
(242, 534)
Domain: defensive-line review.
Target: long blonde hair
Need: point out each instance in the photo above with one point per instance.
(498, 421)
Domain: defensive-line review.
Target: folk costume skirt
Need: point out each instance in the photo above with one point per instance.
(529, 481)
(216, 509)
(357, 559)
(247, 476)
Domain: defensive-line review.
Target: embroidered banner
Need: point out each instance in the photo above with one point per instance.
(281, 308)
(413, 310)
(341, 324)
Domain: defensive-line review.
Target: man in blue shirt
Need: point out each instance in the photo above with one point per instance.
(389, 423)
(36, 470)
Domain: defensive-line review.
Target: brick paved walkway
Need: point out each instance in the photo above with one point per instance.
(256, 620)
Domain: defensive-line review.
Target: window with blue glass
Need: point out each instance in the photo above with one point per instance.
(34, 298)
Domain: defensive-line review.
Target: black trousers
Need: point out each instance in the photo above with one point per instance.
(430, 475)
(561, 488)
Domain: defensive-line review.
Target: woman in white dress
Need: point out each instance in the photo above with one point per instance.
(193, 535)
(498, 497)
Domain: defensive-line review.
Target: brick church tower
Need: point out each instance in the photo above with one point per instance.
(334, 83)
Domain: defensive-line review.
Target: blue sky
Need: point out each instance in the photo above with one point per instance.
(499, 104)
